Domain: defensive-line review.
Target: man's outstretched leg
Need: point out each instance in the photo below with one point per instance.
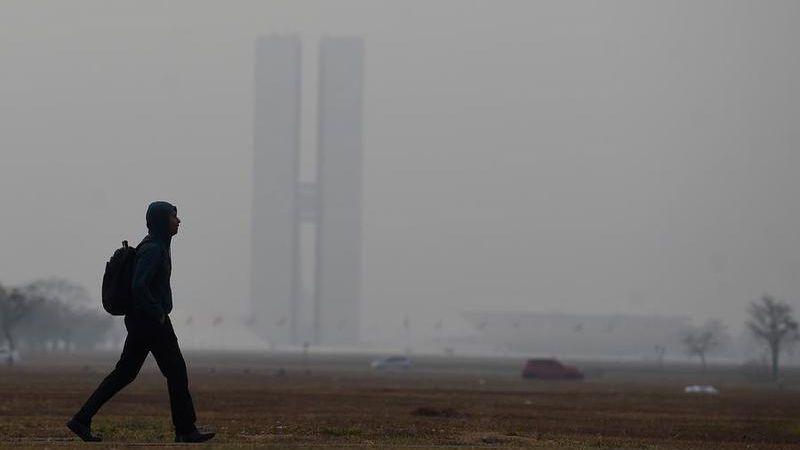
(130, 362)
(172, 365)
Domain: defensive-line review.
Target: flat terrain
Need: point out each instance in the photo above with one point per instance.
(332, 401)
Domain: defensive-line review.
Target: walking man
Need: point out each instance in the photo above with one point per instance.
(149, 330)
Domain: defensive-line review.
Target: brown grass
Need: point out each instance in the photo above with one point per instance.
(363, 409)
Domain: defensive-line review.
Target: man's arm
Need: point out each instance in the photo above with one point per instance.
(148, 260)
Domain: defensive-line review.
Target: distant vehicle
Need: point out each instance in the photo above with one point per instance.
(8, 357)
(701, 389)
(392, 362)
(550, 369)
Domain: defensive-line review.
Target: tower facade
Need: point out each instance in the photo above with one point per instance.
(339, 133)
(331, 202)
(275, 282)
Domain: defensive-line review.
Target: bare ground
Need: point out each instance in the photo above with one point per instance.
(256, 407)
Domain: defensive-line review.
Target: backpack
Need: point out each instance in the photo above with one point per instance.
(117, 281)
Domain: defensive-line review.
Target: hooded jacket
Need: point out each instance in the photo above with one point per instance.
(152, 265)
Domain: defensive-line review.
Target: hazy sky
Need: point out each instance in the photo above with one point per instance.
(598, 156)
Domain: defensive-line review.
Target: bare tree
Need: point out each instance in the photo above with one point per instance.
(661, 351)
(700, 341)
(771, 321)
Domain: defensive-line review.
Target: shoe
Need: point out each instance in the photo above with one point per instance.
(83, 431)
(194, 436)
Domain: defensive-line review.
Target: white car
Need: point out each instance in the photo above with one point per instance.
(701, 389)
(392, 362)
(7, 356)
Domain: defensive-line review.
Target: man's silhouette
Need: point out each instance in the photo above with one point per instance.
(149, 330)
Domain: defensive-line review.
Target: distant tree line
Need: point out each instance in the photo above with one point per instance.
(771, 322)
(52, 315)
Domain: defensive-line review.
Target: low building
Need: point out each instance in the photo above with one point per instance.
(578, 335)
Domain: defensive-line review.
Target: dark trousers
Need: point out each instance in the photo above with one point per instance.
(147, 335)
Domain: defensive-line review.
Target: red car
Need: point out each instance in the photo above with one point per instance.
(550, 369)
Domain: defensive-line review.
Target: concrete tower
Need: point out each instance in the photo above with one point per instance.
(331, 202)
(338, 269)
(275, 246)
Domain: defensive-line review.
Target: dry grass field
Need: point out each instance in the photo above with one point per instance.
(258, 401)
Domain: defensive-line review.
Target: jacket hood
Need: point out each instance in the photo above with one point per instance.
(158, 220)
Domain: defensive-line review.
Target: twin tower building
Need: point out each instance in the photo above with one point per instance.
(306, 246)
